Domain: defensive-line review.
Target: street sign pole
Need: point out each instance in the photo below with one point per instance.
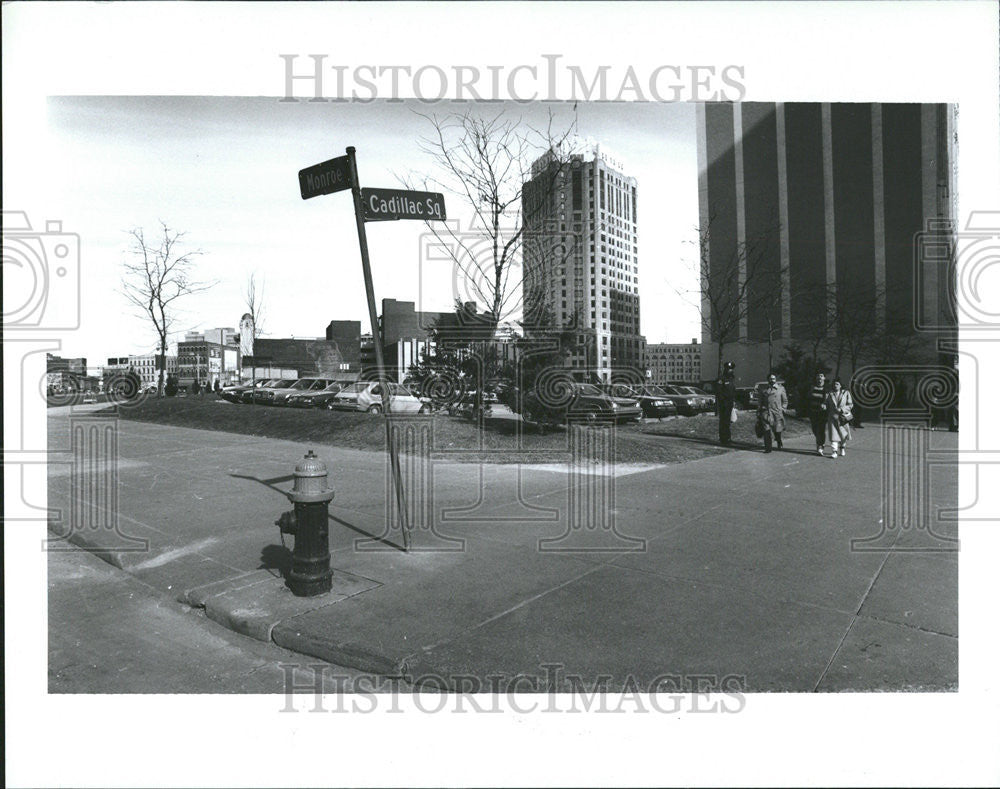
(377, 337)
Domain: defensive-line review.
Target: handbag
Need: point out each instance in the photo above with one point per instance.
(732, 414)
(758, 428)
(844, 412)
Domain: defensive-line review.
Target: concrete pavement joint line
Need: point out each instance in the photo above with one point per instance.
(93, 505)
(730, 588)
(197, 596)
(857, 613)
(98, 555)
(910, 626)
(674, 528)
(510, 610)
(108, 554)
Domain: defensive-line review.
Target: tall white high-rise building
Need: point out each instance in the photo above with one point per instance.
(581, 250)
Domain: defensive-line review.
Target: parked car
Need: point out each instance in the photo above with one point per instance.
(705, 401)
(347, 398)
(654, 402)
(586, 402)
(278, 395)
(233, 393)
(401, 399)
(686, 403)
(89, 397)
(710, 387)
(315, 398)
(250, 395)
(746, 398)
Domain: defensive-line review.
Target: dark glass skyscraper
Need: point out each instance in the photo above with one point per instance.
(820, 207)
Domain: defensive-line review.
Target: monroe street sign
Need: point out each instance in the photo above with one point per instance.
(382, 204)
(325, 178)
(372, 205)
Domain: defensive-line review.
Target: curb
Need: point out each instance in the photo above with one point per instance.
(409, 667)
(258, 605)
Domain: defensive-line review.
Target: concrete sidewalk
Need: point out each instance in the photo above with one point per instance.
(739, 565)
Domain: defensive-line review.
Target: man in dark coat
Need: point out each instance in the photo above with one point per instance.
(817, 411)
(725, 401)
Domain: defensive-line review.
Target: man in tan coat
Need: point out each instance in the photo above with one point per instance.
(771, 412)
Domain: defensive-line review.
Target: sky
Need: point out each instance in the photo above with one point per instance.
(224, 171)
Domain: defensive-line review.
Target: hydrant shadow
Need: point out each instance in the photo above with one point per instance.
(273, 485)
(276, 557)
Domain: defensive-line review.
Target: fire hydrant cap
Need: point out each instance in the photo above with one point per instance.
(310, 481)
(311, 466)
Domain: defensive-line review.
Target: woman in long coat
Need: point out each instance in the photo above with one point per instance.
(771, 412)
(839, 412)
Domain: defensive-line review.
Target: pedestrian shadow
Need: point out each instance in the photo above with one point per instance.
(742, 446)
(787, 451)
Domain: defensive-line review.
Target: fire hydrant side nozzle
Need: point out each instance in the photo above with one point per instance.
(310, 573)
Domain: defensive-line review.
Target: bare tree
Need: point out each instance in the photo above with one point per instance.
(817, 322)
(486, 161)
(254, 301)
(740, 279)
(770, 303)
(855, 332)
(156, 276)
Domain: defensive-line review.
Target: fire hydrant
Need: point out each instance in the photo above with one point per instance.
(310, 574)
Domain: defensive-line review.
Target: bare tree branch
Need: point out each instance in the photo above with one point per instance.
(254, 302)
(486, 160)
(741, 279)
(155, 276)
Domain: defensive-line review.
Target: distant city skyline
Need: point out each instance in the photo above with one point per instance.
(223, 171)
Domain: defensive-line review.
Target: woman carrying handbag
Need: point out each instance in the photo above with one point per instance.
(839, 412)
